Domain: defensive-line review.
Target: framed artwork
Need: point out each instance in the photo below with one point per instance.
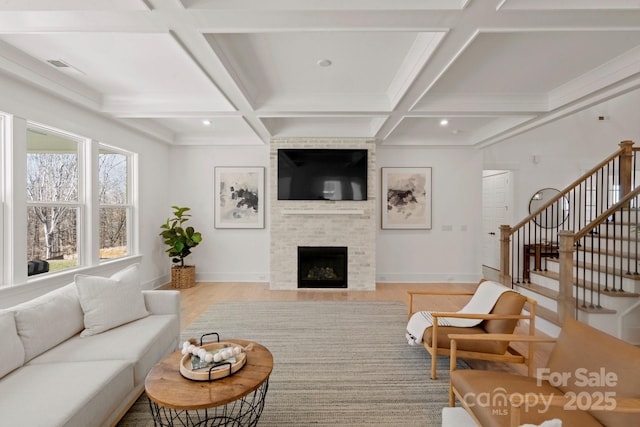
(406, 198)
(239, 197)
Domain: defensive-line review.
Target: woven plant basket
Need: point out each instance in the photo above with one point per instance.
(183, 277)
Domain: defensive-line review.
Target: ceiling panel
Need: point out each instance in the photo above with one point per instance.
(347, 71)
(73, 5)
(218, 131)
(569, 5)
(457, 130)
(342, 126)
(494, 68)
(125, 68)
(328, 4)
(531, 62)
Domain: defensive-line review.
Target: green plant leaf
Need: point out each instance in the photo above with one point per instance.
(179, 239)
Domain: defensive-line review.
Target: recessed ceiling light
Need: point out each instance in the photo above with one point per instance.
(444, 122)
(206, 122)
(324, 63)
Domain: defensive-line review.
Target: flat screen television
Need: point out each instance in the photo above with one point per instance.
(322, 174)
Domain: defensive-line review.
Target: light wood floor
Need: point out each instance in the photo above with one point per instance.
(198, 298)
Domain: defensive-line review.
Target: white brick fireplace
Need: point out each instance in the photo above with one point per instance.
(323, 223)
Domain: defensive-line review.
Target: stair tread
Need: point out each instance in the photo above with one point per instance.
(581, 282)
(542, 290)
(597, 268)
(594, 309)
(550, 293)
(548, 315)
(607, 252)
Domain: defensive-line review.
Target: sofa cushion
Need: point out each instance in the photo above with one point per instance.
(48, 320)
(11, 349)
(486, 393)
(110, 302)
(596, 363)
(141, 343)
(79, 394)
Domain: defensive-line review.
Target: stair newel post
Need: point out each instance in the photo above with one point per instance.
(565, 292)
(505, 255)
(626, 168)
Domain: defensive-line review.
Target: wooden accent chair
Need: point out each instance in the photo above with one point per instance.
(502, 319)
(601, 370)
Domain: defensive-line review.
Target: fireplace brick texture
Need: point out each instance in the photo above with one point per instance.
(296, 223)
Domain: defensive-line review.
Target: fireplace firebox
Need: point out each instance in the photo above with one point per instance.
(322, 267)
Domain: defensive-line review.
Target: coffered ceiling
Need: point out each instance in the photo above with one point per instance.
(385, 69)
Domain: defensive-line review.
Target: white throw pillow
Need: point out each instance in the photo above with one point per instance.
(110, 302)
(11, 349)
(551, 423)
(47, 320)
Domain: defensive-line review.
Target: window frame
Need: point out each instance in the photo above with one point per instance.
(87, 204)
(79, 204)
(129, 205)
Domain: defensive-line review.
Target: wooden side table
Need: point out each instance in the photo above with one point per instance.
(236, 400)
(538, 251)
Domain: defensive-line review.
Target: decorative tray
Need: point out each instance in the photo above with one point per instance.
(195, 368)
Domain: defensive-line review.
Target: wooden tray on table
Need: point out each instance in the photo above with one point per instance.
(221, 370)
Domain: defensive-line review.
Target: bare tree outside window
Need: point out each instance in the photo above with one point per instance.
(52, 197)
(114, 201)
(55, 204)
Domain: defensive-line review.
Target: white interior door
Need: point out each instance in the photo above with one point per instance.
(496, 211)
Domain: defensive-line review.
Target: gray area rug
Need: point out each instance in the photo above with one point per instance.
(337, 363)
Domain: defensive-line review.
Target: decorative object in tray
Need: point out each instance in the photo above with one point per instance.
(213, 360)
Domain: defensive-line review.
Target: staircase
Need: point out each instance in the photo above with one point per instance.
(587, 265)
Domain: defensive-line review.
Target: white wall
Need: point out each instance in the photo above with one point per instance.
(231, 255)
(451, 250)
(402, 255)
(566, 148)
(27, 103)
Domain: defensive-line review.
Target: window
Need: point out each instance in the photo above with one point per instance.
(115, 202)
(53, 205)
(80, 201)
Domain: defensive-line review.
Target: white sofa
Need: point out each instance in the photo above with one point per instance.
(50, 375)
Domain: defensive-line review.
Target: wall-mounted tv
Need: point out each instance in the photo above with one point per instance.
(322, 174)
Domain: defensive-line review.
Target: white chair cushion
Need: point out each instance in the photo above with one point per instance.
(110, 302)
(11, 349)
(47, 320)
(550, 423)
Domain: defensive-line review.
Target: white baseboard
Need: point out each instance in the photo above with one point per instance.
(232, 277)
(428, 278)
(262, 277)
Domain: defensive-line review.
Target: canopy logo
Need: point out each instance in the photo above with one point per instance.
(499, 400)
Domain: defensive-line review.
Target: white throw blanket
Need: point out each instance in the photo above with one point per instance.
(481, 302)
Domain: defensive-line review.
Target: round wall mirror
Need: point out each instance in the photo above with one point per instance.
(555, 215)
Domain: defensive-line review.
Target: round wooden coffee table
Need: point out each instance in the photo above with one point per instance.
(236, 400)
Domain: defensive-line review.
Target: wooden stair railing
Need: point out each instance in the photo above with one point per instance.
(610, 237)
(588, 199)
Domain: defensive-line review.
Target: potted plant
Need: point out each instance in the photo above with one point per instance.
(180, 240)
